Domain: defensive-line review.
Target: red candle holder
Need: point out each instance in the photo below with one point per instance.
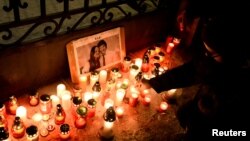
(133, 100)
(91, 108)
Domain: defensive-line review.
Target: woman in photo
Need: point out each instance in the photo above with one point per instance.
(94, 60)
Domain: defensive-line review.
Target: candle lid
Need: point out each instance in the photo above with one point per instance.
(115, 70)
(82, 110)
(127, 58)
(92, 102)
(156, 57)
(45, 97)
(109, 115)
(161, 53)
(135, 67)
(77, 100)
(157, 65)
(1, 106)
(139, 76)
(95, 72)
(3, 134)
(31, 130)
(96, 87)
(64, 128)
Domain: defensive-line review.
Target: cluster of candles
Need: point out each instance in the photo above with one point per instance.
(83, 100)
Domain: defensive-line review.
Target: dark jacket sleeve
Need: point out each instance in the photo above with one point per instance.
(182, 76)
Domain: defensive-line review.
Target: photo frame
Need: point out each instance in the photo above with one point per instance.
(96, 52)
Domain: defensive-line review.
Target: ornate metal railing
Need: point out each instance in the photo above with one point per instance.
(45, 18)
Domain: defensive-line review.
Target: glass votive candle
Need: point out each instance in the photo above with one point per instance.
(133, 100)
(45, 105)
(96, 89)
(91, 107)
(103, 77)
(114, 73)
(33, 98)
(18, 128)
(108, 103)
(12, 105)
(145, 64)
(76, 102)
(126, 64)
(60, 89)
(94, 77)
(32, 133)
(134, 69)
(80, 120)
(65, 131)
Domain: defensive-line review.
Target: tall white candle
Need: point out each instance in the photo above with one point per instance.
(119, 111)
(120, 93)
(66, 100)
(83, 81)
(60, 89)
(55, 100)
(94, 77)
(87, 96)
(138, 62)
(21, 112)
(108, 103)
(103, 76)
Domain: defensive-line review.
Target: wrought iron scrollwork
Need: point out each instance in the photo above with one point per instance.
(80, 18)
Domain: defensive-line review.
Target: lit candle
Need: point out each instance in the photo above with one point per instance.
(60, 89)
(55, 100)
(144, 93)
(119, 111)
(120, 93)
(133, 100)
(118, 84)
(170, 47)
(36, 118)
(146, 100)
(87, 96)
(103, 77)
(133, 72)
(83, 81)
(138, 62)
(94, 77)
(109, 118)
(126, 81)
(91, 108)
(22, 113)
(66, 100)
(108, 103)
(163, 106)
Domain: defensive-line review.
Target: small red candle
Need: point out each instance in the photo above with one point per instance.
(146, 100)
(163, 107)
(133, 99)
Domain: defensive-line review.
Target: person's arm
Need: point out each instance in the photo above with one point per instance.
(178, 77)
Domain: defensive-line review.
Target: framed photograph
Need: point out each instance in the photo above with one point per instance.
(99, 51)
